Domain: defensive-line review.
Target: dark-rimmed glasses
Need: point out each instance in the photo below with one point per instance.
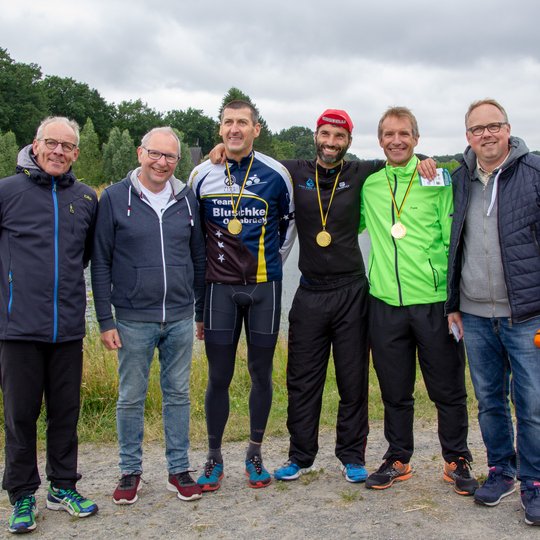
(155, 155)
(494, 127)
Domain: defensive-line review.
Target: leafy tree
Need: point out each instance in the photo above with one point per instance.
(282, 149)
(67, 97)
(89, 166)
(119, 155)
(22, 102)
(302, 140)
(8, 154)
(136, 117)
(198, 129)
(263, 142)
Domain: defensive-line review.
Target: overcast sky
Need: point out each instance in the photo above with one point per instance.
(296, 58)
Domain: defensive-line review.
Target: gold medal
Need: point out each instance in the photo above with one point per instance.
(324, 239)
(234, 226)
(398, 230)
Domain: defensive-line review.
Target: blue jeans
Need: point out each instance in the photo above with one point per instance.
(504, 361)
(174, 342)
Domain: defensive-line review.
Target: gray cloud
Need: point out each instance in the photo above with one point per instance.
(296, 58)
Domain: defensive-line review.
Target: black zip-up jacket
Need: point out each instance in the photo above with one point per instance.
(46, 228)
(518, 199)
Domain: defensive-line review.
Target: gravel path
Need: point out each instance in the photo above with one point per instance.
(319, 505)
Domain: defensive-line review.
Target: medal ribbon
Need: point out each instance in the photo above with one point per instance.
(235, 208)
(324, 217)
(399, 210)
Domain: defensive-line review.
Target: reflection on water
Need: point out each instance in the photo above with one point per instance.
(291, 277)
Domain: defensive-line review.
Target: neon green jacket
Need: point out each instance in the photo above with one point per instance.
(411, 270)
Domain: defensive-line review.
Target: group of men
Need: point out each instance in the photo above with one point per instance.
(450, 262)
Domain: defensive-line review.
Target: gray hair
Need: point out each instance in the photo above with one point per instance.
(58, 120)
(165, 130)
(486, 101)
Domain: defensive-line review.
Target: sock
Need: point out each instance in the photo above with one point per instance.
(253, 449)
(215, 454)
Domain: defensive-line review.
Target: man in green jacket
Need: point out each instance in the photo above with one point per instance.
(409, 219)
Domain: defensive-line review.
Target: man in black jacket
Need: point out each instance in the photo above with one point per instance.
(494, 297)
(46, 227)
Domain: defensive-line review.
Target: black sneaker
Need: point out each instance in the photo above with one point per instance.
(530, 501)
(497, 486)
(388, 473)
(459, 473)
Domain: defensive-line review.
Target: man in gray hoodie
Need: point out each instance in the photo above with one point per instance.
(149, 263)
(494, 297)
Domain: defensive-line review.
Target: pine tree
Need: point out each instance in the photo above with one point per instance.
(89, 167)
(8, 154)
(119, 155)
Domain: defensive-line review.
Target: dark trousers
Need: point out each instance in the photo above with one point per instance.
(321, 321)
(396, 334)
(29, 370)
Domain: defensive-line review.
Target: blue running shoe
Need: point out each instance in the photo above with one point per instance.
(530, 501)
(23, 517)
(258, 476)
(290, 471)
(71, 501)
(496, 486)
(354, 472)
(210, 480)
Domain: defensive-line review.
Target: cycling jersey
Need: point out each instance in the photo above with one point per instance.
(265, 210)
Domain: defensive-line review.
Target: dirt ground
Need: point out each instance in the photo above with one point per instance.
(319, 505)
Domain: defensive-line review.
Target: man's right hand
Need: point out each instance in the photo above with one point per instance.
(455, 318)
(217, 154)
(111, 339)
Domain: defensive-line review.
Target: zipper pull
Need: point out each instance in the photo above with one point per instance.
(71, 209)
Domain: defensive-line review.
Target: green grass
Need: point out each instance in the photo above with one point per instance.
(100, 386)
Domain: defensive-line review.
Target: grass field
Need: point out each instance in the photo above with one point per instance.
(100, 384)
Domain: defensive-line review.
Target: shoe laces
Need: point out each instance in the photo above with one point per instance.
(463, 467)
(184, 478)
(257, 463)
(386, 465)
(24, 504)
(128, 481)
(71, 493)
(209, 467)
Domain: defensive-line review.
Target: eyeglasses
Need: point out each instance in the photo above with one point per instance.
(495, 127)
(52, 144)
(155, 155)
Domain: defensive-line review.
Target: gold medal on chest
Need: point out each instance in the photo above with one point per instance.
(324, 239)
(398, 230)
(234, 226)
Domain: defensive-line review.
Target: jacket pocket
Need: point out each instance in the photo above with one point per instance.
(534, 234)
(179, 285)
(435, 276)
(148, 289)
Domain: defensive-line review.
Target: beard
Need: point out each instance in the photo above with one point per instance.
(330, 160)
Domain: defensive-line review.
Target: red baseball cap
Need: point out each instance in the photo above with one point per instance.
(336, 117)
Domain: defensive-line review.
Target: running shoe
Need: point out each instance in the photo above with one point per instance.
(71, 501)
(496, 486)
(127, 488)
(210, 480)
(258, 476)
(459, 473)
(184, 486)
(23, 517)
(290, 471)
(354, 472)
(388, 473)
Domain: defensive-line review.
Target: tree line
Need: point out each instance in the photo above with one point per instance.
(110, 133)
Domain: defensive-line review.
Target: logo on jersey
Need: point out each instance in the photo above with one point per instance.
(253, 180)
(229, 182)
(310, 184)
